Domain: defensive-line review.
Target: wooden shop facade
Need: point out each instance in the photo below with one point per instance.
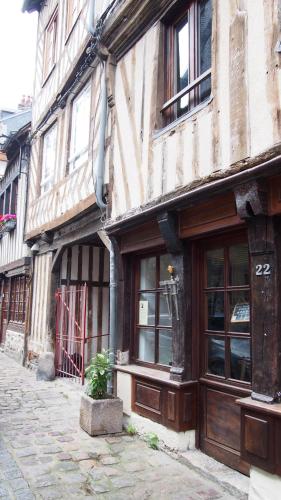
(209, 347)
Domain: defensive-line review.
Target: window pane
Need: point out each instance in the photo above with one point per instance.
(205, 38)
(216, 356)
(148, 273)
(146, 345)
(239, 265)
(215, 268)
(240, 359)
(165, 261)
(146, 309)
(80, 127)
(182, 44)
(49, 158)
(165, 347)
(215, 311)
(239, 312)
(164, 317)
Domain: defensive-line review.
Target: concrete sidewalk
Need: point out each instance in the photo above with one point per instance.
(45, 455)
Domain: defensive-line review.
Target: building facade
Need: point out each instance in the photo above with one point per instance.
(187, 151)
(15, 257)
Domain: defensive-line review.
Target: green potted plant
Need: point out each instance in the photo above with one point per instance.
(100, 413)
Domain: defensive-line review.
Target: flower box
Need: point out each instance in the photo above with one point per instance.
(8, 223)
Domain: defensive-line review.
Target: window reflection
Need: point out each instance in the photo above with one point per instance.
(165, 347)
(164, 316)
(240, 359)
(146, 345)
(182, 38)
(216, 356)
(148, 273)
(215, 268)
(215, 311)
(147, 309)
(238, 265)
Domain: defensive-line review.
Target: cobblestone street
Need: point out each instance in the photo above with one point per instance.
(45, 455)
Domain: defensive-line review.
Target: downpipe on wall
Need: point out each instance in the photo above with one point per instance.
(98, 174)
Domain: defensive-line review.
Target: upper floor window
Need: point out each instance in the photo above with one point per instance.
(80, 129)
(49, 158)
(188, 32)
(72, 12)
(8, 199)
(50, 43)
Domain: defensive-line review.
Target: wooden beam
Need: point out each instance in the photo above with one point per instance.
(265, 277)
(168, 226)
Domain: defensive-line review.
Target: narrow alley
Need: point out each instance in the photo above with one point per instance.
(45, 455)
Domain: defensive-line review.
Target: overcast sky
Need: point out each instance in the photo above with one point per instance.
(17, 52)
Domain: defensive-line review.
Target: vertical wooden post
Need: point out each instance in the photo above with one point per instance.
(181, 261)
(264, 233)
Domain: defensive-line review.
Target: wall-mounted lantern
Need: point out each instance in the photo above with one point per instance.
(171, 292)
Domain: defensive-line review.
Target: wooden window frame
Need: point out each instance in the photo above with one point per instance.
(18, 299)
(171, 21)
(50, 45)
(72, 159)
(71, 16)
(50, 178)
(226, 334)
(156, 327)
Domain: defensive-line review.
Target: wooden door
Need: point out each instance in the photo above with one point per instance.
(4, 310)
(224, 345)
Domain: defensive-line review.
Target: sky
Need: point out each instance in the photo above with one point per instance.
(17, 52)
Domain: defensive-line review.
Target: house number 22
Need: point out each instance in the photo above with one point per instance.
(263, 270)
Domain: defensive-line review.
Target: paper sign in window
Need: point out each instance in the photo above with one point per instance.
(241, 313)
(143, 312)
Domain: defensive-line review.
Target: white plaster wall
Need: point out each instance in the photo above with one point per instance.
(124, 391)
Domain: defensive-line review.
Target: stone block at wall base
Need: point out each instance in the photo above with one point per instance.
(101, 416)
(14, 345)
(46, 367)
(263, 485)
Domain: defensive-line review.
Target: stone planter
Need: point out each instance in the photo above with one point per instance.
(101, 416)
(10, 225)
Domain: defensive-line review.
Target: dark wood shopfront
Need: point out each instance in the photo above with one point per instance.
(222, 325)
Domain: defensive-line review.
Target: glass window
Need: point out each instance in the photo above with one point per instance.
(227, 312)
(49, 158)
(50, 42)
(154, 325)
(80, 129)
(188, 56)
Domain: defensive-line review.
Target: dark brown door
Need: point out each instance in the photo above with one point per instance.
(224, 345)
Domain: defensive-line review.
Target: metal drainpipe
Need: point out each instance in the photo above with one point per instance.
(99, 169)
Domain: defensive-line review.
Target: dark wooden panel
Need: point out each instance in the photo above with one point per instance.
(256, 436)
(222, 419)
(188, 407)
(148, 396)
(218, 213)
(145, 236)
(171, 406)
(275, 195)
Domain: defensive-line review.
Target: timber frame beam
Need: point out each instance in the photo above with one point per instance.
(181, 261)
(264, 233)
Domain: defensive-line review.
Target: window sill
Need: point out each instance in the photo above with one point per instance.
(183, 118)
(151, 374)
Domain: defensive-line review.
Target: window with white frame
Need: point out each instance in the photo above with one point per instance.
(80, 129)
(49, 158)
(50, 45)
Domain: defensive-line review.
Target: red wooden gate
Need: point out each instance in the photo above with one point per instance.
(71, 325)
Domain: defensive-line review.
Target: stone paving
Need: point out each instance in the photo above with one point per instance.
(45, 455)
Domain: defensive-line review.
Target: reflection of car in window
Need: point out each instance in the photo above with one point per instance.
(240, 358)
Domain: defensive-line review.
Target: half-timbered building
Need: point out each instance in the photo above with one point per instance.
(187, 149)
(70, 289)
(15, 257)
(195, 215)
